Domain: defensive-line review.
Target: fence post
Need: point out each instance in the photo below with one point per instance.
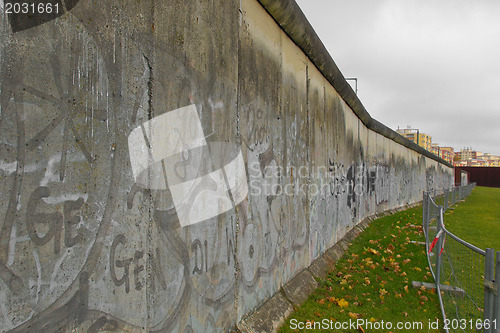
(496, 305)
(429, 206)
(489, 271)
(424, 219)
(438, 246)
(445, 199)
(425, 216)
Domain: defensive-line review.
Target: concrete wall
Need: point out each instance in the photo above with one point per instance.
(88, 242)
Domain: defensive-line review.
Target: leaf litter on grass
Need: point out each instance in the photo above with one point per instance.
(371, 281)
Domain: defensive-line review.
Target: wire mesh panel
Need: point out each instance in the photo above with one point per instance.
(431, 214)
(463, 273)
(462, 286)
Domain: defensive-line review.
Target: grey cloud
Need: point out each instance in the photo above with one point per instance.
(432, 65)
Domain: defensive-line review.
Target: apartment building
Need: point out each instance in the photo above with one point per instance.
(467, 154)
(413, 134)
(447, 154)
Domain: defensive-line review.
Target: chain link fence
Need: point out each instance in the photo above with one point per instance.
(464, 275)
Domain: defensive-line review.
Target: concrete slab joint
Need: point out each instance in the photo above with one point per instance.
(269, 317)
(300, 287)
(320, 267)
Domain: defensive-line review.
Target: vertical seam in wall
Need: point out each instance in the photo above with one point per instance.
(325, 120)
(328, 145)
(151, 200)
(282, 292)
(368, 143)
(309, 131)
(238, 141)
(359, 135)
(308, 117)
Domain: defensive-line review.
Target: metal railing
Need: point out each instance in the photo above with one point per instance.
(465, 278)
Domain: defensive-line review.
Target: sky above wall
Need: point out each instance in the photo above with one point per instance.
(433, 65)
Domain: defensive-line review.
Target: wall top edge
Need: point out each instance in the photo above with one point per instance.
(294, 23)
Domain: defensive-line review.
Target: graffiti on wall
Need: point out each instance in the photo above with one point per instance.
(110, 222)
(51, 209)
(67, 243)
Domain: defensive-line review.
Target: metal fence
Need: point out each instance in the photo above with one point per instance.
(464, 275)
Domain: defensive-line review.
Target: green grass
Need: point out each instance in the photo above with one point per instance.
(477, 220)
(372, 281)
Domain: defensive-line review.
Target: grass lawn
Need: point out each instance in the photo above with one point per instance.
(372, 281)
(477, 220)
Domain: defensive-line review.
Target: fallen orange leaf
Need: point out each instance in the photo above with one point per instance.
(353, 315)
(342, 303)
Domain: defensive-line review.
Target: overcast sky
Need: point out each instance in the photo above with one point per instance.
(433, 65)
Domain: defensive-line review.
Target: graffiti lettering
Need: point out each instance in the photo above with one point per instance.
(135, 263)
(196, 247)
(138, 268)
(54, 221)
(230, 248)
(71, 221)
(125, 264)
(156, 271)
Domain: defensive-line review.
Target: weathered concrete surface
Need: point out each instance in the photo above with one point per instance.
(87, 243)
(269, 317)
(320, 267)
(300, 287)
(297, 290)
